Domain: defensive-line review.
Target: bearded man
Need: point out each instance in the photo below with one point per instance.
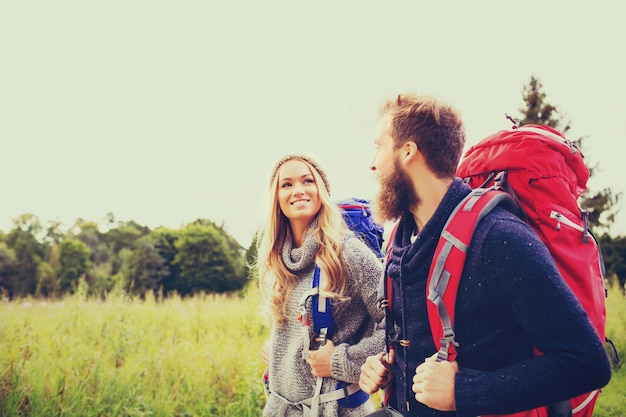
(511, 296)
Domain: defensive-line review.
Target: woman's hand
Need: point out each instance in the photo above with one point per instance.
(319, 360)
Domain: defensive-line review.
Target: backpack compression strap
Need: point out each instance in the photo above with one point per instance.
(447, 265)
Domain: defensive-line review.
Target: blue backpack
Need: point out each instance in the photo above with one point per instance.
(358, 216)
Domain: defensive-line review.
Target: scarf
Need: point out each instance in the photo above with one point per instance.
(302, 258)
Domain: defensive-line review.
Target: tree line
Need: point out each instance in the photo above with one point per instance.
(46, 262)
(201, 256)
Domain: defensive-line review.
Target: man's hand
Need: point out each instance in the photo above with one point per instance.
(376, 372)
(319, 360)
(433, 384)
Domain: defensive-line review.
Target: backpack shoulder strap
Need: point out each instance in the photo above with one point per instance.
(321, 314)
(448, 261)
(384, 303)
(323, 321)
(385, 288)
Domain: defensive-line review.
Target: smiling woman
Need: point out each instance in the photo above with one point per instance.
(306, 254)
(298, 196)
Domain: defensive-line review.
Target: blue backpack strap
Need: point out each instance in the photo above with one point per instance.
(324, 326)
(322, 311)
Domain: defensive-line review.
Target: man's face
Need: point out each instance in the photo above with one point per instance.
(396, 194)
(385, 150)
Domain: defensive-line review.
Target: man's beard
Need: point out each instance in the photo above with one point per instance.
(396, 195)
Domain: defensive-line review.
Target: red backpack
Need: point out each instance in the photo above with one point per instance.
(543, 175)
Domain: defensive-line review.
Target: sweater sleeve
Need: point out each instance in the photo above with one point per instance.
(522, 281)
(365, 271)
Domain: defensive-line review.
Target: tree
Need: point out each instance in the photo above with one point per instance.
(209, 260)
(28, 223)
(614, 251)
(7, 268)
(165, 242)
(54, 234)
(120, 238)
(148, 268)
(125, 235)
(599, 205)
(251, 259)
(28, 253)
(74, 259)
(89, 233)
(47, 281)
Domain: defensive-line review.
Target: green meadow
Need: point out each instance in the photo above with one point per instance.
(197, 356)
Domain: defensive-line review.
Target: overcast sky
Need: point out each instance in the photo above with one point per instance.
(163, 112)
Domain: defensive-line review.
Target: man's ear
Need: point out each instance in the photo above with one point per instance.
(408, 151)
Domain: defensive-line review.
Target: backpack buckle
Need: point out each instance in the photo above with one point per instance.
(445, 342)
(302, 318)
(323, 336)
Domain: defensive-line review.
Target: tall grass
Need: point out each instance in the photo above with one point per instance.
(197, 357)
(172, 357)
(612, 400)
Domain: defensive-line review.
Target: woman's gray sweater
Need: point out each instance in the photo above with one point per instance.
(356, 335)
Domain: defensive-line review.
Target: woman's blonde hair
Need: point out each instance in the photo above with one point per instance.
(275, 280)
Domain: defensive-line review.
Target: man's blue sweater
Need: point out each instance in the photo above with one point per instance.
(511, 298)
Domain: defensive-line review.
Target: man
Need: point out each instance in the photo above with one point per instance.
(511, 297)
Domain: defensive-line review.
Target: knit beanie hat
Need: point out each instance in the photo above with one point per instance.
(306, 159)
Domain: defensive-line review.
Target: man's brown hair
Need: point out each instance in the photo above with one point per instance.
(435, 127)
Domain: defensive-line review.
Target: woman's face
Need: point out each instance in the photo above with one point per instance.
(298, 194)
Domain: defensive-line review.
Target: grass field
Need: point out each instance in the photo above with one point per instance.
(192, 357)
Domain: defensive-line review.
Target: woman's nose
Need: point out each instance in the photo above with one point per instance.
(298, 189)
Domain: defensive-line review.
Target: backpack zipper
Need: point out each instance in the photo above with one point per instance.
(565, 220)
(561, 219)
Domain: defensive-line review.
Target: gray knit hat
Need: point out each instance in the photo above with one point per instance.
(306, 159)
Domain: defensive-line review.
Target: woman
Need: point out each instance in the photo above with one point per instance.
(306, 229)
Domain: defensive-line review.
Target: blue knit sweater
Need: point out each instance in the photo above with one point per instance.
(511, 298)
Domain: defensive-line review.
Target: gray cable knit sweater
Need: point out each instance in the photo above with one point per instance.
(356, 335)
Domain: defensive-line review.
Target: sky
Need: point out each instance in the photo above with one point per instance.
(163, 112)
